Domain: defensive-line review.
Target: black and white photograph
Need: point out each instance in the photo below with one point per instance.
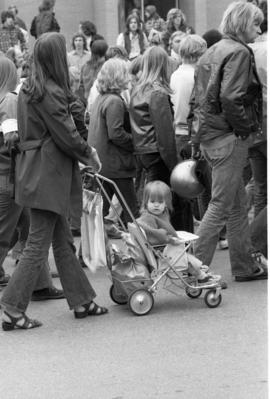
(133, 199)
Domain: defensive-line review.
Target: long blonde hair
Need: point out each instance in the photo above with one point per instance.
(8, 76)
(154, 70)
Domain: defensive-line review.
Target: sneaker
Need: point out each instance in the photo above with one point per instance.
(259, 274)
(4, 280)
(206, 279)
(223, 285)
(211, 279)
(204, 268)
(47, 293)
(223, 244)
(260, 258)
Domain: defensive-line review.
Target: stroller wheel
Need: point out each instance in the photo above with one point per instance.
(141, 302)
(120, 299)
(193, 292)
(212, 299)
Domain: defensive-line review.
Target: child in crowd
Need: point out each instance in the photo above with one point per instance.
(155, 221)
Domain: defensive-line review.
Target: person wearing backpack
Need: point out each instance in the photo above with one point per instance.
(45, 21)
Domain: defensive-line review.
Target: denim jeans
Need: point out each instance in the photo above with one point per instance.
(21, 233)
(9, 217)
(13, 217)
(258, 229)
(227, 205)
(182, 146)
(45, 228)
(258, 162)
(154, 167)
(204, 198)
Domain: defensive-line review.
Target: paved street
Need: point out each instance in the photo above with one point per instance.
(181, 350)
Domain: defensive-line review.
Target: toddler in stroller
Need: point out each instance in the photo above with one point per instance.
(155, 222)
(152, 255)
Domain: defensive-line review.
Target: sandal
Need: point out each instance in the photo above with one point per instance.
(27, 323)
(90, 309)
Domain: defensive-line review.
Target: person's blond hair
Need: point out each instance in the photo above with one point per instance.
(154, 70)
(238, 17)
(192, 48)
(113, 76)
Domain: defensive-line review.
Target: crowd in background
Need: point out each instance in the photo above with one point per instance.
(159, 96)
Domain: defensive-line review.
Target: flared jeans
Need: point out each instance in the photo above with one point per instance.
(227, 206)
(47, 227)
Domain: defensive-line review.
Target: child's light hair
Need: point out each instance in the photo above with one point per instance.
(157, 190)
(238, 17)
(113, 76)
(192, 48)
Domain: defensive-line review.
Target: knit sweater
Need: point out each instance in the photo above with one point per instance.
(158, 229)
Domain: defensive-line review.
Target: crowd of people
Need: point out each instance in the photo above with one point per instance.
(131, 112)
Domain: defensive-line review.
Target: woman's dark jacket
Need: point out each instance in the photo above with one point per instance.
(47, 172)
(152, 124)
(109, 134)
(227, 92)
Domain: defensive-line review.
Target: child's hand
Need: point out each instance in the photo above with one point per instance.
(174, 241)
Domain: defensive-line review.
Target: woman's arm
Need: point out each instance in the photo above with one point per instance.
(233, 90)
(120, 40)
(114, 114)
(161, 116)
(55, 114)
(9, 123)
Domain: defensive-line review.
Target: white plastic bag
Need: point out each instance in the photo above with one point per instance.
(92, 231)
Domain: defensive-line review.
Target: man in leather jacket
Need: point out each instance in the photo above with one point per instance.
(226, 115)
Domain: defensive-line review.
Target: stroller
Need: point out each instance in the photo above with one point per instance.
(139, 269)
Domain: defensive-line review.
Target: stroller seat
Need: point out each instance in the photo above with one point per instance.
(139, 236)
(152, 252)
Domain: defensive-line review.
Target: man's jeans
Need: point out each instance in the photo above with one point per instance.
(258, 231)
(227, 205)
(11, 217)
(258, 162)
(45, 228)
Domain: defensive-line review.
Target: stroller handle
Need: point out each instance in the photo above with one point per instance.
(99, 179)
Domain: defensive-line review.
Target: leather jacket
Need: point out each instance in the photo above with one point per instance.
(227, 92)
(152, 124)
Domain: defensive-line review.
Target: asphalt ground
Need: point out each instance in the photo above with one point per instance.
(181, 349)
